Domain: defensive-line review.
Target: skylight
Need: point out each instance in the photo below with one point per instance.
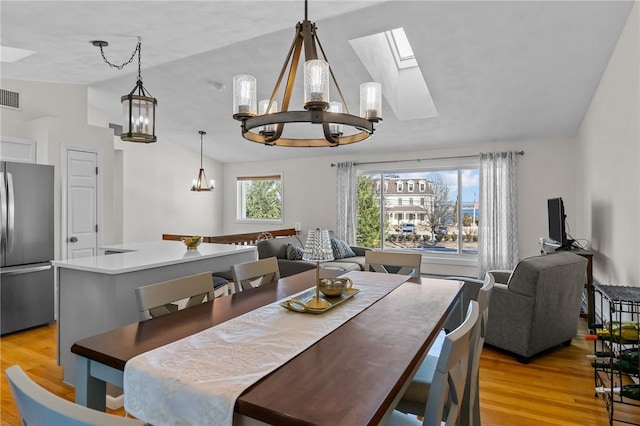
(13, 54)
(401, 48)
(390, 60)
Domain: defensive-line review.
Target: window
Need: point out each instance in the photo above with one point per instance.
(260, 199)
(446, 216)
(410, 186)
(399, 186)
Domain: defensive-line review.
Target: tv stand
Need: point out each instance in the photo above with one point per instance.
(568, 246)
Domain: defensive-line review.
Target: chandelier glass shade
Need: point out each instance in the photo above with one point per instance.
(265, 124)
(201, 184)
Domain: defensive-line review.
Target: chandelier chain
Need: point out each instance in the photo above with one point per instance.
(133, 55)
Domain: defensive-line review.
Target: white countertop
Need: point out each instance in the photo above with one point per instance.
(146, 255)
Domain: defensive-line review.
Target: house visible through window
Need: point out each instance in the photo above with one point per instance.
(259, 199)
(446, 217)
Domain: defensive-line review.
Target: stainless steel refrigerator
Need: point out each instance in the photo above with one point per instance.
(26, 246)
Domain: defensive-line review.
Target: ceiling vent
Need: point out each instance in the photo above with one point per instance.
(9, 99)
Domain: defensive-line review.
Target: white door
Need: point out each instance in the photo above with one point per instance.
(82, 199)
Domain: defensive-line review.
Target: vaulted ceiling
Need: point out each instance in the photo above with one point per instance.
(497, 70)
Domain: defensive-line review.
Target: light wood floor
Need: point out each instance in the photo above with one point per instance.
(554, 389)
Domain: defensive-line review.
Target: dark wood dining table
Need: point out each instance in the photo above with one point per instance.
(353, 376)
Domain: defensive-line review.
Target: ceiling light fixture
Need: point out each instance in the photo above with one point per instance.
(200, 184)
(139, 107)
(267, 124)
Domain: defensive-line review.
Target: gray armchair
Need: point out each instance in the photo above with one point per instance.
(536, 307)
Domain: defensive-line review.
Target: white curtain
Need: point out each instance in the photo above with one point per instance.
(346, 202)
(498, 227)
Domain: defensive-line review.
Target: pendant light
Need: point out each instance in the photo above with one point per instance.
(138, 106)
(265, 124)
(201, 184)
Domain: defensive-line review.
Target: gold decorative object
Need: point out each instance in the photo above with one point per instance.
(298, 304)
(335, 288)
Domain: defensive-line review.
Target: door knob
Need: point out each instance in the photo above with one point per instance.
(73, 239)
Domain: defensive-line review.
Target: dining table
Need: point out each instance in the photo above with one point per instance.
(353, 375)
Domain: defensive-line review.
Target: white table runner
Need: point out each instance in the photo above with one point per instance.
(196, 380)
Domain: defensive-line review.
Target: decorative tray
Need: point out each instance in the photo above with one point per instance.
(298, 305)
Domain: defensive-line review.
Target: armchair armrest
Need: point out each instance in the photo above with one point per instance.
(359, 251)
(500, 275)
(292, 267)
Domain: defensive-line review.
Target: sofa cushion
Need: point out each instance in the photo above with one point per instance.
(341, 250)
(294, 252)
(277, 247)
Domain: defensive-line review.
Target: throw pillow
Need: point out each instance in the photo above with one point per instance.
(341, 249)
(294, 253)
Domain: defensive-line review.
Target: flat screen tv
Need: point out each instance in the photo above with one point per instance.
(557, 232)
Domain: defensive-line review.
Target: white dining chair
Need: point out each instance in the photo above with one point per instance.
(39, 407)
(415, 397)
(160, 298)
(444, 400)
(252, 274)
(386, 261)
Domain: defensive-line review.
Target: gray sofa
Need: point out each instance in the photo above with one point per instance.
(536, 307)
(277, 247)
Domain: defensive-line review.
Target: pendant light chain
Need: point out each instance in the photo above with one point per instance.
(202, 133)
(133, 55)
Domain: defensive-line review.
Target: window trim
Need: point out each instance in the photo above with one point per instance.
(241, 202)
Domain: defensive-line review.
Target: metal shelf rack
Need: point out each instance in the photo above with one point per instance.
(618, 305)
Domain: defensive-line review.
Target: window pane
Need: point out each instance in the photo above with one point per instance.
(430, 225)
(260, 198)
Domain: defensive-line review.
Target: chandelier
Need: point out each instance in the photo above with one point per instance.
(265, 124)
(201, 184)
(139, 107)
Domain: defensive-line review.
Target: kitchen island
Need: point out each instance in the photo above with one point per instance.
(97, 293)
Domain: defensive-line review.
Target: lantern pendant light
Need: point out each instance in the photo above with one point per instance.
(138, 106)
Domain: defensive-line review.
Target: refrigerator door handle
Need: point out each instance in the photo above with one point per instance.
(17, 270)
(3, 208)
(11, 213)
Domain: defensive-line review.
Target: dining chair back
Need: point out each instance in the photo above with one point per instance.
(415, 397)
(255, 273)
(470, 413)
(39, 407)
(395, 262)
(158, 299)
(446, 391)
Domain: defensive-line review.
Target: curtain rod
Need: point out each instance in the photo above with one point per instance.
(420, 159)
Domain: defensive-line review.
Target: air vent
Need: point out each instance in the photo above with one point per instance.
(9, 99)
(117, 129)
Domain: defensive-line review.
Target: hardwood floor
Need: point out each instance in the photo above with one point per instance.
(554, 389)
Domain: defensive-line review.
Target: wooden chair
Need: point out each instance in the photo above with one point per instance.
(155, 300)
(449, 379)
(415, 397)
(39, 407)
(255, 273)
(396, 262)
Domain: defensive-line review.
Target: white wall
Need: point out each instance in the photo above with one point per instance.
(607, 164)
(157, 197)
(546, 170)
(55, 115)
(146, 187)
